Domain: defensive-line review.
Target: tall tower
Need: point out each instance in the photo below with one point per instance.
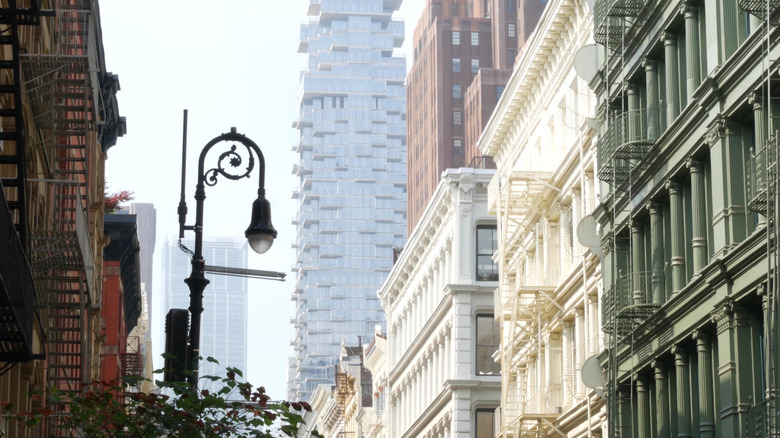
(223, 331)
(352, 180)
(464, 51)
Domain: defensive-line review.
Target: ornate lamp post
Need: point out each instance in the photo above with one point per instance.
(231, 164)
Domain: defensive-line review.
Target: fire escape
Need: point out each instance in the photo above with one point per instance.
(629, 129)
(763, 197)
(47, 272)
(526, 410)
(18, 291)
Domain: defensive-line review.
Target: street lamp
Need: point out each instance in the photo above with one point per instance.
(231, 164)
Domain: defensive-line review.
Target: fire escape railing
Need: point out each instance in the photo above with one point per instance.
(18, 296)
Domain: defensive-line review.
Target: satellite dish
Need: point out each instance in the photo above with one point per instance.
(587, 61)
(591, 373)
(587, 232)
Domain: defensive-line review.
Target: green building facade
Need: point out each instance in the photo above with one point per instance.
(688, 110)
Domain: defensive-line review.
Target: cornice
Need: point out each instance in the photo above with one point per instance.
(555, 40)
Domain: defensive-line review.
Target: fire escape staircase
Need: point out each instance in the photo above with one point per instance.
(762, 8)
(60, 87)
(18, 292)
(613, 20)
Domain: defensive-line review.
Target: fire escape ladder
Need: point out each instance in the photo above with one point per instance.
(12, 142)
(61, 259)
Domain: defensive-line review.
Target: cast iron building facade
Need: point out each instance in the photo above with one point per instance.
(687, 156)
(448, 101)
(351, 180)
(224, 319)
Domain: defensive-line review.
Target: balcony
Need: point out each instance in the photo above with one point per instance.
(629, 300)
(18, 295)
(626, 143)
(760, 8)
(757, 173)
(609, 20)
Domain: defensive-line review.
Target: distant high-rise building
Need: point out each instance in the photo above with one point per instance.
(449, 102)
(223, 330)
(352, 179)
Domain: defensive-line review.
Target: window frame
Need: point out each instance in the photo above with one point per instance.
(511, 30)
(457, 117)
(474, 38)
(492, 414)
(456, 61)
(478, 255)
(474, 65)
(456, 91)
(455, 37)
(490, 368)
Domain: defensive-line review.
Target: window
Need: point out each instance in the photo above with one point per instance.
(488, 340)
(511, 30)
(456, 65)
(499, 91)
(511, 5)
(474, 38)
(457, 145)
(455, 38)
(456, 91)
(486, 246)
(457, 118)
(474, 65)
(483, 423)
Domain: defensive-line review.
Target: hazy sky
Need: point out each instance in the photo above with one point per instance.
(231, 63)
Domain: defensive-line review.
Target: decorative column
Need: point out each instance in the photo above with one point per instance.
(677, 232)
(760, 133)
(734, 367)
(576, 217)
(706, 396)
(568, 363)
(698, 215)
(690, 10)
(642, 409)
(579, 339)
(624, 411)
(640, 295)
(683, 392)
(653, 107)
(657, 252)
(727, 176)
(661, 400)
(634, 106)
(672, 76)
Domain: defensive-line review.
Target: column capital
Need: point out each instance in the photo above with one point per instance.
(700, 336)
(689, 8)
(668, 38)
(654, 207)
(680, 356)
(674, 187)
(649, 64)
(756, 99)
(694, 166)
(658, 369)
(721, 128)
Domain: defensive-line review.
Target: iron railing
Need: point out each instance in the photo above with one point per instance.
(18, 294)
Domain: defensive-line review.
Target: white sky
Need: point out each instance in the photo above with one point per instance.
(230, 63)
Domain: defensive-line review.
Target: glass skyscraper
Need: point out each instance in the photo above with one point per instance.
(223, 330)
(351, 180)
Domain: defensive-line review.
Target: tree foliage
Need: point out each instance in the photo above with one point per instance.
(237, 409)
(113, 201)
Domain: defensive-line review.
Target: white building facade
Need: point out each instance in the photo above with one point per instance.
(541, 138)
(442, 379)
